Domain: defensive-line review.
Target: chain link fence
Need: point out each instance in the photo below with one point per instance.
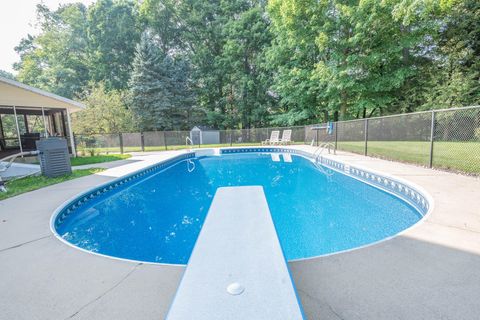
(457, 140)
(447, 139)
(88, 144)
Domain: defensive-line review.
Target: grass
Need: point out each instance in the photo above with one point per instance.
(78, 161)
(456, 156)
(172, 147)
(22, 185)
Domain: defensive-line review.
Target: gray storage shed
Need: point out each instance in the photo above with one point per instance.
(204, 135)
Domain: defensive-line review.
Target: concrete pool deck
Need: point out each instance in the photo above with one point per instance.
(431, 271)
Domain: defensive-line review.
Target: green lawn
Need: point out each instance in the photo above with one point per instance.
(19, 186)
(457, 156)
(172, 147)
(78, 161)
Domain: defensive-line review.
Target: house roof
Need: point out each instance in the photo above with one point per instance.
(14, 93)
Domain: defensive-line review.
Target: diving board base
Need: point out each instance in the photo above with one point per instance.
(237, 269)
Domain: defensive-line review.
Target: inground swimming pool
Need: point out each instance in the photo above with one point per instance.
(156, 215)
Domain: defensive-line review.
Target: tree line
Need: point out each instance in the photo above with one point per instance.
(171, 64)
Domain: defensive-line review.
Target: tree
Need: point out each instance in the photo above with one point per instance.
(391, 50)
(350, 57)
(113, 32)
(162, 18)
(7, 75)
(249, 63)
(106, 112)
(243, 61)
(56, 59)
(292, 57)
(183, 96)
(160, 89)
(455, 79)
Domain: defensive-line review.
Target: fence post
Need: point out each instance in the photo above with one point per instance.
(230, 138)
(432, 138)
(366, 137)
(120, 140)
(336, 137)
(74, 146)
(165, 140)
(142, 141)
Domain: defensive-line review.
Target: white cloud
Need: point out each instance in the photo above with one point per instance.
(17, 18)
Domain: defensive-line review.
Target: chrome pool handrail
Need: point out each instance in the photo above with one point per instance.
(317, 155)
(188, 141)
(319, 166)
(324, 145)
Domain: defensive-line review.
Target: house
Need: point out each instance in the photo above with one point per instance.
(28, 114)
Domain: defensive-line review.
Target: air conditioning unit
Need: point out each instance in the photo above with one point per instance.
(54, 157)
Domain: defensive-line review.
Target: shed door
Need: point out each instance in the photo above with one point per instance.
(196, 136)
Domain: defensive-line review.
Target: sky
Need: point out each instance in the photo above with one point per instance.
(17, 19)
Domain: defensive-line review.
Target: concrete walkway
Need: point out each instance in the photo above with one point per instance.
(150, 157)
(429, 272)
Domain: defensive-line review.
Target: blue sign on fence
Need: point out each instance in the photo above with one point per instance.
(329, 127)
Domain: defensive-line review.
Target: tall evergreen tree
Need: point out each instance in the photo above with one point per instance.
(161, 96)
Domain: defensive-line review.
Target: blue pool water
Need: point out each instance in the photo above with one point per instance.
(158, 219)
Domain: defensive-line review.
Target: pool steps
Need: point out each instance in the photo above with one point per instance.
(237, 269)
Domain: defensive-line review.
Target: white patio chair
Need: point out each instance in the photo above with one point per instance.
(274, 138)
(286, 137)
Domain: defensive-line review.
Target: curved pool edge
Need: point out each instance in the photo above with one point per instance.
(160, 165)
(419, 189)
(325, 160)
(421, 221)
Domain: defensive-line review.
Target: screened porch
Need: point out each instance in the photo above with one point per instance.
(20, 127)
(28, 114)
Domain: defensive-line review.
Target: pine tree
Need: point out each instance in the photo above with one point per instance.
(183, 98)
(159, 87)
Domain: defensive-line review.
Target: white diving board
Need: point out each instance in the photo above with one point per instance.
(237, 269)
